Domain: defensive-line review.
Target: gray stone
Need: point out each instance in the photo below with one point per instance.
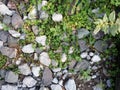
(82, 45)
(72, 64)
(56, 70)
(11, 77)
(7, 19)
(28, 48)
(54, 63)
(2, 73)
(29, 81)
(70, 85)
(100, 45)
(63, 57)
(12, 42)
(24, 69)
(83, 65)
(14, 33)
(4, 36)
(99, 35)
(91, 53)
(82, 33)
(43, 15)
(97, 87)
(17, 21)
(9, 87)
(44, 88)
(47, 77)
(44, 59)
(9, 52)
(108, 83)
(1, 83)
(36, 71)
(56, 87)
(83, 54)
(96, 58)
(35, 29)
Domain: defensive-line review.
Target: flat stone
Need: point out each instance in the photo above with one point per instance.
(99, 35)
(36, 71)
(96, 58)
(70, 85)
(56, 87)
(108, 83)
(14, 33)
(7, 19)
(83, 54)
(44, 59)
(82, 33)
(28, 48)
(29, 81)
(4, 10)
(43, 15)
(3, 36)
(55, 80)
(63, 57)
(41, 40)
(36, 56)
(9, 52)
(100, 45)
(9, 87)
(17, 21)
(44, 88)
(11, 77)
(2, 73)
(47, 77)
(72, 64)
(83, 65)
(82, 45)
(56, 70)
(12, 42)
(54, 63)
(91, 53)
(24, 69)
(57, 17)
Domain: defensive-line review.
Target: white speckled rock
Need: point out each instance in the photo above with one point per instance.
(9, 87)
(70, 85)
(44, 59)
(57, 17)
(96, 58)
(14, 33)
(29, 81)
(24, 69)
(28, 48)
(36, 71)
(41, 40)
(64, 57)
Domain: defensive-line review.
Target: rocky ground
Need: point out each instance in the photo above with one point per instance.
(40, 72)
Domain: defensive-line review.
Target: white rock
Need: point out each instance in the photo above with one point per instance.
(36, 71)
(14, 33)
(55, 80)
(96, 58)
(5, 10)
(28, 48)
(84, 55)
(64, 57)
(41, 40)
(56, 70)
(32, 14)
(36, 56)
(18, 62)
(44, 59)
(57, 17)
(91, 54)
(29, 81)
(24, 69)
(61, 82)
(1, 43)
(56, 87)
(9, 87)
(94, 76)
(70, 85)
(71, 50)
(1, 26)
(44, 3)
